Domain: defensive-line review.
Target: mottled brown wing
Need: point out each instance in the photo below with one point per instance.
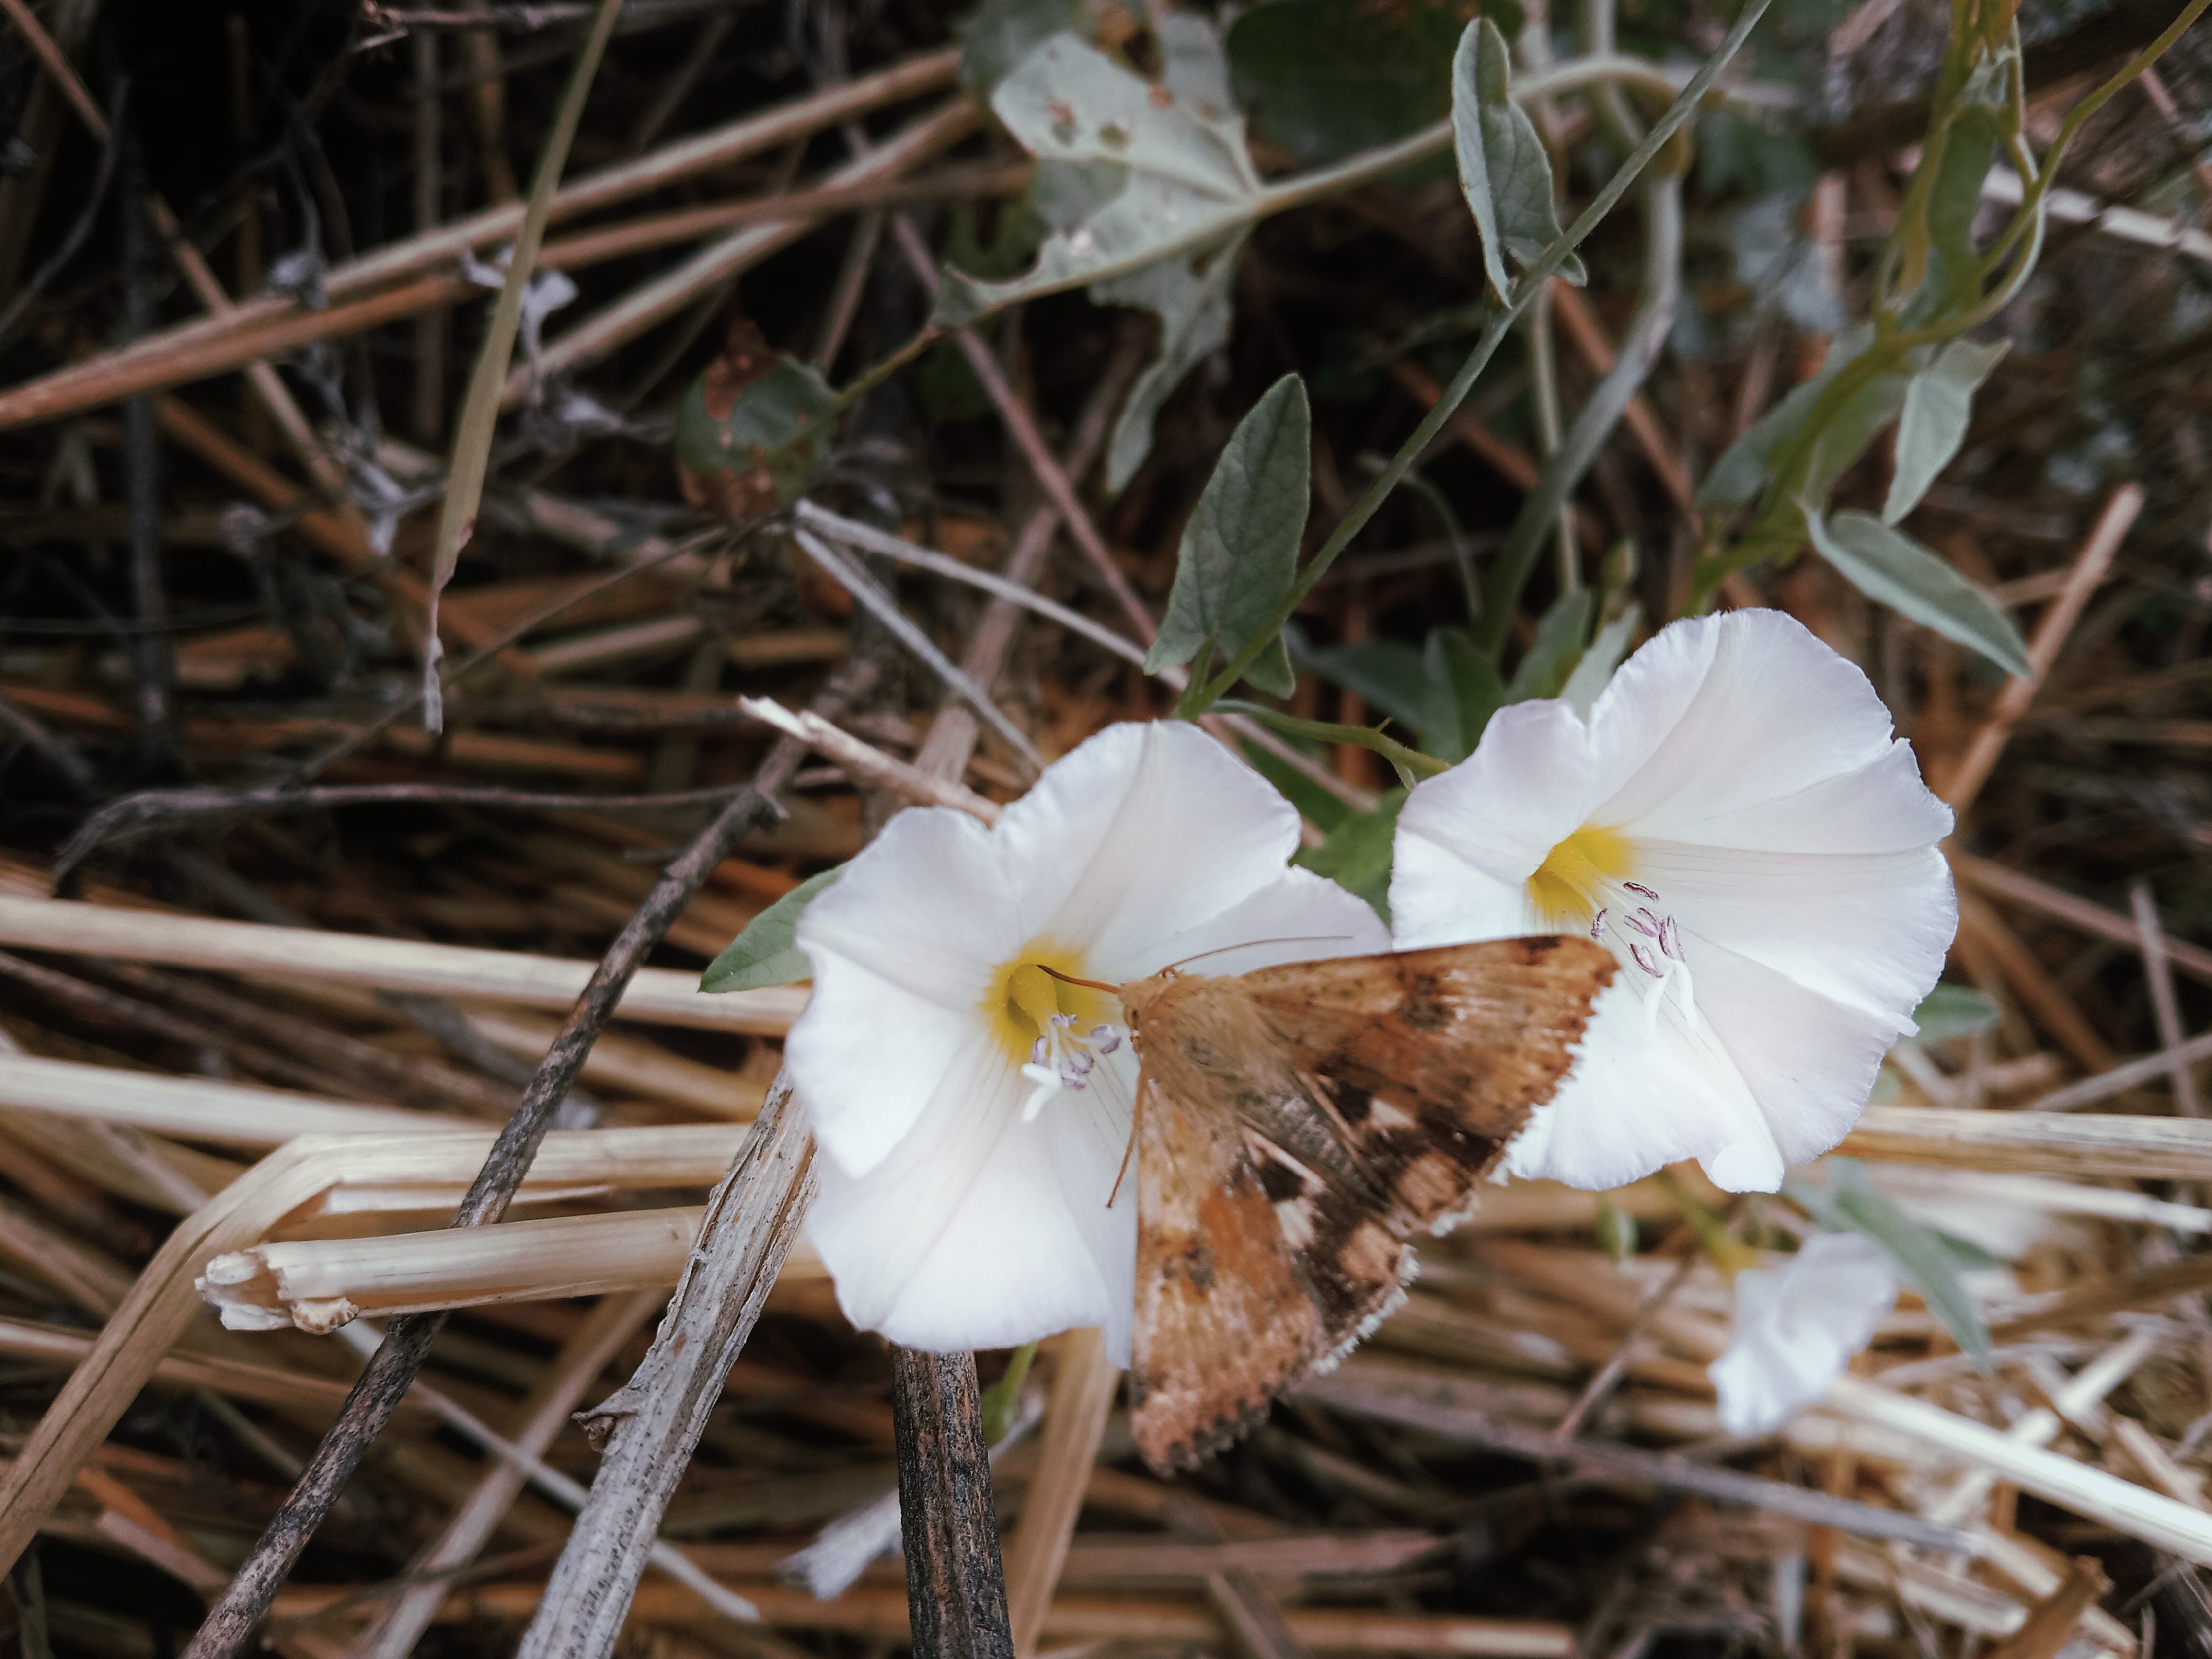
(1295, 1126)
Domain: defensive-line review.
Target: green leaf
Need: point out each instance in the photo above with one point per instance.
(1955, 200)
(1150, 193)
(1445, 690)
(1356, 854)
(1192, 299)
(1939, 401)
(1240, 550)
(1326, 79)
(1463, 692)
(1741, 471)
(764, 953)
(1545, 666)
(999, 33)
(1888, 566)
(1503, 166)
(1925, 1259)
(1617, 1234)
(946, 388)
(1851, 430)
(1391, 676)
(1595, 671)
(1324, 811)
(1952, 1011)
(763, 444)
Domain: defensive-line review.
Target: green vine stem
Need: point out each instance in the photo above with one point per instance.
(1204, 693)
(1778, 527)
(1410, 763)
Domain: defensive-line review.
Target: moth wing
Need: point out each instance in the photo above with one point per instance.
(1227, 1316)
(1422, 1064)
(1295, 1125)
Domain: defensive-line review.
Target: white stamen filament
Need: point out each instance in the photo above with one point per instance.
(1060, 1059)
(1656, 950)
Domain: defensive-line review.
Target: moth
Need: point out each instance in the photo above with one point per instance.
(1296, 1125)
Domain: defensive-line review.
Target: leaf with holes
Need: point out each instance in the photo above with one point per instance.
(998, 34)
(753, 429)
(1240, 550)
(1503, 166)
(1149, 191)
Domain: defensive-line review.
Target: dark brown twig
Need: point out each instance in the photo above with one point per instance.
(956, 1587)
(153, 652)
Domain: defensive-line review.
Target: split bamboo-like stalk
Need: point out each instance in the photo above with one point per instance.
(318, 1283)
(162, 1303)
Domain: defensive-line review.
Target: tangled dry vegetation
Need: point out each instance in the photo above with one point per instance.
(277, 963)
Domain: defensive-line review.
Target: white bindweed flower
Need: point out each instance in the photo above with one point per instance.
(1735, 820)
(1797, 1326)
(975, 1112)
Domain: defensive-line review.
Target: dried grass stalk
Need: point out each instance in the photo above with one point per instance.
(661, 995)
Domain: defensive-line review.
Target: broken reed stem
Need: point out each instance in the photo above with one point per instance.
(2158, 971)
(407, 1339)
(1084, 1384)
(150, 812)
(1998, 881)
(671, 292)
(956, 1586)
(649, 1427)
(587, 1352)
(864, 762)
(479, 420)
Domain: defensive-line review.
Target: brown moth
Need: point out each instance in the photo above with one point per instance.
(1296, 1125)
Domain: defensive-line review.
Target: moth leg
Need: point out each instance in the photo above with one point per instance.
(1127, 1151)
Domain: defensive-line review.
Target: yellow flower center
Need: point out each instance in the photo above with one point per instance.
(1568, 887)
(1023, 999)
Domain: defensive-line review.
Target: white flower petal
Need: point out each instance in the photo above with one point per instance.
(1646, 1092)
(1867, 930)
(1720, 714)
(1768, 823)
(985, 1232)
(1797, 1326)
(1468, 840)
(903, 947)
(1297, 917)
(1137, 835)
(1810, 1062)
(1882, 807)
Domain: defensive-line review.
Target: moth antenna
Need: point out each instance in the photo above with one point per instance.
(1070, 979)
(1253, 944)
